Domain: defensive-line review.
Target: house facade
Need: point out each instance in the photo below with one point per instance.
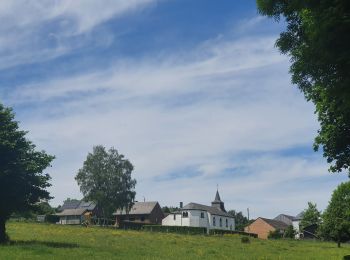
(77, 212)
(141, 213)
(263, 226)
(198, 215)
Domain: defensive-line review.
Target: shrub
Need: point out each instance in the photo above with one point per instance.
(277, 234)
(245, 240)
(290, 232)
(52, 218)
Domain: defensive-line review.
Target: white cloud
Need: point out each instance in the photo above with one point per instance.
(201, 110)
(40, 30)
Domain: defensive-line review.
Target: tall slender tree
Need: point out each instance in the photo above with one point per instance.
(106, 179)
(22, 181)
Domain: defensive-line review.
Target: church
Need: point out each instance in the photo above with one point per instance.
(198, 215)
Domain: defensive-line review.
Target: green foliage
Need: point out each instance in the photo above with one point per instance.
(51, 218)
(70, 200)
(167, 209)
(22, 181)
(317, 39)
(311, 215)
(106, 179)
(176, 229)
(43, 208)
(240, 220)
(245, 240)
(290, 232)
(276, 234)
(336, 218)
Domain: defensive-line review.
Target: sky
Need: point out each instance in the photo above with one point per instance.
(192, 92)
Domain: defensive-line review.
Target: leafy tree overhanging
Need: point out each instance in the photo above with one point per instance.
(22, 181)
(317, 39)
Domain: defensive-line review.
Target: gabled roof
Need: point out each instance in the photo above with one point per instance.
(291, 218)
(299, 216)
(275, 223)
(88, 205)
(139, 208)
(72, 212)
(210, 209)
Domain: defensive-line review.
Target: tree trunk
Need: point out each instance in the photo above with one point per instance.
(3, 235)
(338, 243)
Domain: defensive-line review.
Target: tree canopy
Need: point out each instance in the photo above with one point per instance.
(106, 179)
(240, 220)
(317, 39)
(311, 215)
(336, 218)
(22, 181)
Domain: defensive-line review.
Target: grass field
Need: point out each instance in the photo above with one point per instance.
(41, 241)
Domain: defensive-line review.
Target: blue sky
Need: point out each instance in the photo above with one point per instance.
(193, 92)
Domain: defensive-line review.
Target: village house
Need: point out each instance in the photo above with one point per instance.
(141, 213)
(263, 226)
(76, 212)
(198, 215)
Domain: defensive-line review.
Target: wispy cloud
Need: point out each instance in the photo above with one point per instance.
(220, 112)
(36, 31)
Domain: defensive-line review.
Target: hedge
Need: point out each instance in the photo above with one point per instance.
(176, 229)
(222, 232)
(52, 218)
(131, 225)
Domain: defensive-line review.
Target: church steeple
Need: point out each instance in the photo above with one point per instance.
(217, 202)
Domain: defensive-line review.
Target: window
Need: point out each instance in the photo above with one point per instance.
(174, 216)
(226, 222)
(131, 219)
(214, 221)
(220, 222)
(143, 218)
(185, 214)
(202, 214)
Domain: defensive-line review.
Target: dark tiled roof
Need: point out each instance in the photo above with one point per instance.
(139, 208)
(70, 205)
(88, 205)
(275, 223)
(211, 210)
(291, 218)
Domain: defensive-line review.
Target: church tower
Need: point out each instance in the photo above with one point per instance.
(218, 203)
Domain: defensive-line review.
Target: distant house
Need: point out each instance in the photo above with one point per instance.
(141, 213)
(263, 226)
(285, 218)
(198, 215)
(76, 212)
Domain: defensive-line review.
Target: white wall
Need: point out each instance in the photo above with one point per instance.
(230, 222)
(194, 220)
(169, 220)
(296, 226)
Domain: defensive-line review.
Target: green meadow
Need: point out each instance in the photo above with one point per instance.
(43, 241)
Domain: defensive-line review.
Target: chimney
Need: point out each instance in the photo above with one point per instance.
(181, 205)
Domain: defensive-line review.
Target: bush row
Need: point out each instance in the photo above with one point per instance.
(176, 229)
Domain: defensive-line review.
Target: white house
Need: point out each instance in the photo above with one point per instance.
(198, 215)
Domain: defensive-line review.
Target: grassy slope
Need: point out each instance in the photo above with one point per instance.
(42, 241)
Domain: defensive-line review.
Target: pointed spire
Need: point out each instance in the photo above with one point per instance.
(217, 196)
